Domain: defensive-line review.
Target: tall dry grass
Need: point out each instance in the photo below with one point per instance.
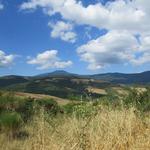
(109, 129)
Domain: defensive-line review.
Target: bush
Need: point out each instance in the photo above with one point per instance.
(141, 100)
(49, 105)
(69, 108)
(85, 110)
(26, 109)
(9, 102)
(81, 110)
(10, 121)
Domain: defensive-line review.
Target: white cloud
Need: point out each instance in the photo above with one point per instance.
(1, 6)
(6, 60)
(33, 4)
(122, 18)
(145, 44)
(144, 52)
(48, 59)
(143, 59)
(113, 48)
(63, 31)
(127, 15)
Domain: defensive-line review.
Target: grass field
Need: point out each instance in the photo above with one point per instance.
(107, 130)
(35, 122)
(60, 101)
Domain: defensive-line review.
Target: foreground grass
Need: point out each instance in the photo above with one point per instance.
(107, 129)
(109, 123)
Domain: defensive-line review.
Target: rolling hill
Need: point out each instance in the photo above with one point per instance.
(120, 78)
(68, 85)
(116, 78)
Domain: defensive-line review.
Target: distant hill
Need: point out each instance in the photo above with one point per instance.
(115, 78)
(57, 73)
(12, 79)
(68, 85)
(120, 78)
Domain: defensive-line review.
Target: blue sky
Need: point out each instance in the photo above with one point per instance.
(39, 37)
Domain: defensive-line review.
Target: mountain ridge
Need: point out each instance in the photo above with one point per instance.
(69, 85)
(113, 78)
(66, 73)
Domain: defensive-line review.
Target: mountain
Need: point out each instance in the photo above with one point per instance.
(120, 78)
(115, 78)
(57, 73)
(12, 79)
(68, 85)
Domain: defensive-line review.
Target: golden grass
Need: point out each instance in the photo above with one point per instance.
(107, 130)
(97, 90)
(60, 101)
(120, 91)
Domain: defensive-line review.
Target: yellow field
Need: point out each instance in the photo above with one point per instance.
(108, 130)
(60, 101)
(97, 90)
(120, 91)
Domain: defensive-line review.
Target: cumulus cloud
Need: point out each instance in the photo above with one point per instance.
(143, 59)
(109, 16)
(33, 4)
(123, 19)
(144, 52)
(116, 47)
(6, 60)
(63, 31)
(48, 59)
(112, 48)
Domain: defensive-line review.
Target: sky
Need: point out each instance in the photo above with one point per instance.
(79, 36)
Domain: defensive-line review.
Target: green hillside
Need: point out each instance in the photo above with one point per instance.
(72, 86)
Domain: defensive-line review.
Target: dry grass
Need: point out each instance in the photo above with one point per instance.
(60, 101)
(107, 130)
(97, 90)
(120, 91)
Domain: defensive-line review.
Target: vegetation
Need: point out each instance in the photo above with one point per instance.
(110, 122)
(15, 110)
(141, 100)
(10, 122)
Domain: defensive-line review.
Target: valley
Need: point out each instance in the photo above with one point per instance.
(72, 86)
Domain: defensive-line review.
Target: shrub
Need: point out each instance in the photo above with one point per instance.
(69, 108)
(9, 102)
(81, 110)
(141, 100)
(85, 110)
(26, 109)
(49, 105)
(10, 122)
